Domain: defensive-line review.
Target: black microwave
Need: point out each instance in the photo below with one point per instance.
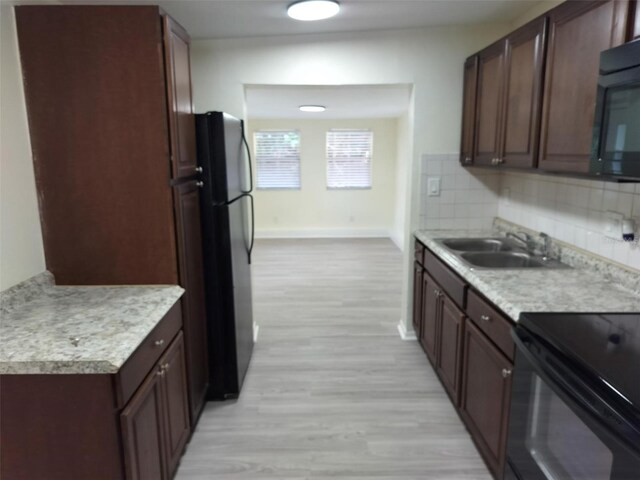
(616, 133)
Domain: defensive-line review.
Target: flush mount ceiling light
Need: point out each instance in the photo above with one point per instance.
(310, 10)
(312, 108)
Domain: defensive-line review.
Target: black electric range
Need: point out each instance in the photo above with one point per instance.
(575, 411)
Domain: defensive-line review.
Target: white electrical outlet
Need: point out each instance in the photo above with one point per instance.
(433, 186)
(613, 225)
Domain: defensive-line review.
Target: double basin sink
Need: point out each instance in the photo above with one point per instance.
(500, 252)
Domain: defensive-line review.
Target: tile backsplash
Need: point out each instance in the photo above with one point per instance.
(570, 210)
(466, 200)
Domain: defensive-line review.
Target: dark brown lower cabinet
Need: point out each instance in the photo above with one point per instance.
(485, 396)
(417, 298)
(467, 340)
(189, 237)
(155, 423)
(430, 313)
(142, 431)
(450, 328)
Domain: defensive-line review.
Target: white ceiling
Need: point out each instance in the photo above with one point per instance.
(247, 18)
(349, 101)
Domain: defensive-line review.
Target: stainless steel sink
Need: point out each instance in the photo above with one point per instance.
(497, 253)
(478, 244)
(502, 260)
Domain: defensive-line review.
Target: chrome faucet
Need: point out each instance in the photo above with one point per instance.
(524, 238)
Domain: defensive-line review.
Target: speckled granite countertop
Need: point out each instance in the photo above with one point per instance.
(41, 324)
(578, 289)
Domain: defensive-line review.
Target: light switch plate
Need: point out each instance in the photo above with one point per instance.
(433, 186)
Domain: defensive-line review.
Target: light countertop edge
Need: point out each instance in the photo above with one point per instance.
(515, 291)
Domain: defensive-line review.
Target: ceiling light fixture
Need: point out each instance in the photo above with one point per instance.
(310, 10)
(312, 108)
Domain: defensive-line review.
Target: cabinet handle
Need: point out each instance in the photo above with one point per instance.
(436, 293)
(198, 169)
(485, 318)
(160, 372)
(165, 367)
(506, 373)
(159, 343)
(200, 184)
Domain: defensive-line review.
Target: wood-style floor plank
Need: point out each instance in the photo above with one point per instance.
(332, 390)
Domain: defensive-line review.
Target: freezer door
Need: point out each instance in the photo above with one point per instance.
(240, 235)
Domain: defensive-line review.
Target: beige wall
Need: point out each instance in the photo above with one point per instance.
(21, 251)
(315, 211)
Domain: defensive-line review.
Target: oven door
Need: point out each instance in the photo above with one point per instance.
(616, 132)
(560, 427)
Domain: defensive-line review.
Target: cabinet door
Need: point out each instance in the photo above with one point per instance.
(489, 105)
(189, 235)
(635, 33)
(174, 383)
(485, 396)
(523, 95)
(430, 313)
(181, 119)
(469, 109)
(417, 298)
(578, 32)
(450, 347)
(142, 423)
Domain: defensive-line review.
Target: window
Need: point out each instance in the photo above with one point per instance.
(349, 159)
(277, 159)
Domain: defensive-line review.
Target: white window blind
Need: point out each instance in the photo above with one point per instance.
(349, 159)
(277, 159)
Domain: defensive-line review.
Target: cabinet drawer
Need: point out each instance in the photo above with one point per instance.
(453, 285)
(418, 254)
(130, 376)
(491, 322)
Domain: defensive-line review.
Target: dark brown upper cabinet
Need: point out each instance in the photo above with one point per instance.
(489, 104)
(578, 32)
(181, 119)
(524, 66)
(469, 109)
(509, 94)
(635, 28)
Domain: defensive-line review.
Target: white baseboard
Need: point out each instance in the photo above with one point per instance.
(256, 329)
(325, 233)
(404, 334)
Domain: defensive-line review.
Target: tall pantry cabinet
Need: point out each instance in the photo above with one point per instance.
(108, 93)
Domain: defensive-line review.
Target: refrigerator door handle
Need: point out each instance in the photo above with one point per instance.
(253, 229)
(246, 146)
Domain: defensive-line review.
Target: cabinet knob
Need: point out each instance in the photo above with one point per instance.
(485, 318)
(165, 367)
(160, 372)
(200, 184)
(436, 292)
(159, 343)
(506, 373)
(198, 169)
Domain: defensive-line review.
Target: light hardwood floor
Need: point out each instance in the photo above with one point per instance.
(332, 390)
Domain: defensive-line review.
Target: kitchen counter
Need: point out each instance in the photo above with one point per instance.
(578, 289)
(48, 329)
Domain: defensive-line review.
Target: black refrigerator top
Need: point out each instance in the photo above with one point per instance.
(606, 345)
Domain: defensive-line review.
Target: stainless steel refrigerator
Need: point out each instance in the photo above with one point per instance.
(228, 237)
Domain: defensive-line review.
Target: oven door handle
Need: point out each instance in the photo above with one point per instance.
(575, 389)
